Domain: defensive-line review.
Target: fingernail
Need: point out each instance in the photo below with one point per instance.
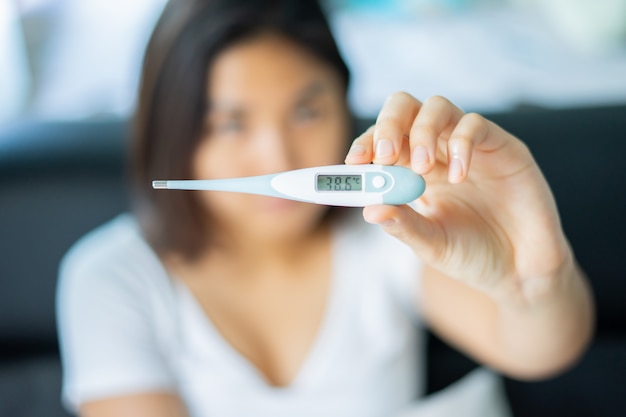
(386, 222)
(419, 159)
(356, 150)
(455, 170)
(384, 148)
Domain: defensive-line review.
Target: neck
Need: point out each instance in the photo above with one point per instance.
(261, 252)
(259, 259)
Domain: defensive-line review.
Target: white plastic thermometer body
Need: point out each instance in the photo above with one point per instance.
(334, 185)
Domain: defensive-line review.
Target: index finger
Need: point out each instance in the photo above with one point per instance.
(393, 124)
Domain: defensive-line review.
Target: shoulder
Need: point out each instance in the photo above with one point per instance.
(114, 246)
(112, 258)
(116, 240)
(113, 282)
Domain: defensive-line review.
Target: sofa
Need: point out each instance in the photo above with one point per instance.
(60, 179)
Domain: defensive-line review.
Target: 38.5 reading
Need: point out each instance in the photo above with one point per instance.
(339, 183)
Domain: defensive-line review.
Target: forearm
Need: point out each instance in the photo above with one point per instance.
(547, 334)
(529, 340)
(151, 404)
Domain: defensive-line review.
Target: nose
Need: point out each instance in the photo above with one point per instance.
(274, 150)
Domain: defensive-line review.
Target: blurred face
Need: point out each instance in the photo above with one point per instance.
(272, 107)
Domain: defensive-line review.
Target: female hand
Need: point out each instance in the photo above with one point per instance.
(487, 217)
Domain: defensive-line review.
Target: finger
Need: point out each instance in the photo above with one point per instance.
(471, 131)
(392, 126)
(361, 149)
(435, 121)
(404, 223)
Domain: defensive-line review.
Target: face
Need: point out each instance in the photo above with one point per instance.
(272, 107)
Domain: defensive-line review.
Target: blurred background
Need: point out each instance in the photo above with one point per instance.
(77, 59)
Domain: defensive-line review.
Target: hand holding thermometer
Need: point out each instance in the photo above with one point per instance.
(334, 185)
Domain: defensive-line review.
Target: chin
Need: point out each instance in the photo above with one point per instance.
(288, 219)
(268, 219)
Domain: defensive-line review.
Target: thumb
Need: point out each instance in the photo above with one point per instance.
(418, 232)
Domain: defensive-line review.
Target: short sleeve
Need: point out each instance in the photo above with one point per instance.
(107, 333)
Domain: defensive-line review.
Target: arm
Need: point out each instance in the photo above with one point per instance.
(501, 281)
(525, 343)
(138, 405)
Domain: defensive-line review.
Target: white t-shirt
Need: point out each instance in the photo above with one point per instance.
(127, 327)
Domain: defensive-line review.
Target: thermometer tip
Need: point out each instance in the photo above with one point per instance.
(158, 185)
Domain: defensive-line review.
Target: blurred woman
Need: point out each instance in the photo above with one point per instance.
(226, 304)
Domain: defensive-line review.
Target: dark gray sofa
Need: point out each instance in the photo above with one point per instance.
(59, 180)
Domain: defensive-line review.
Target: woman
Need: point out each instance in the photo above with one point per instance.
(207, 303)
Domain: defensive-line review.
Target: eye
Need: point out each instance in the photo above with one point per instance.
(307, 112)
(228, 127)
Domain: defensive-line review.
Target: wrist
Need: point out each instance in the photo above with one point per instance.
(535, 285)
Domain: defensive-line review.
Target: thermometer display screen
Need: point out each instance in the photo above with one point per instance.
(339, 183)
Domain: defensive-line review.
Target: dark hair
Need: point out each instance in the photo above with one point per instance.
(171, 106)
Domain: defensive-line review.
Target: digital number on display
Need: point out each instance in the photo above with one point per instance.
(339, 183)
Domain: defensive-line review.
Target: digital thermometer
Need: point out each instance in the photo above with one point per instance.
(334, 185)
